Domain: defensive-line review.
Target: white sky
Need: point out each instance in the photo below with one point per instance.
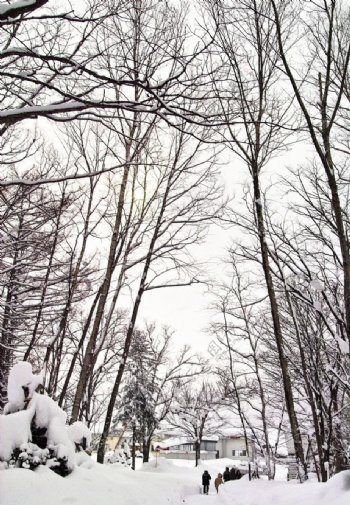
(187, 309)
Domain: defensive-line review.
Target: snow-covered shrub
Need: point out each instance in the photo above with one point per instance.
(80, 435)
(21, 386)
(29, 456)
(120, 456)
(127, 453)
(14, 432)
(33, 430)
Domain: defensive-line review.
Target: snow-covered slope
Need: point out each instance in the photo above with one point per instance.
(94, 484)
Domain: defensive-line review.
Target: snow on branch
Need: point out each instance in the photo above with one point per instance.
(10, 11)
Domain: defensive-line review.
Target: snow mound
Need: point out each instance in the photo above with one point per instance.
(84, 460)
(77, 432)
(339, 482)
(14, 432)
(21, 386)
(162, 465)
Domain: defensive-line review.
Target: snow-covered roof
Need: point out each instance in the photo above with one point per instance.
(231, 432)
(174, 441)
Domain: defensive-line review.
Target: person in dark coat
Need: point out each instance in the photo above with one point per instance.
(238, 474)
(233, 473)
(206, 481)
(227, 475)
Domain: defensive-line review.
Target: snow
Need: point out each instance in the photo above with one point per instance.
(15, 428)
(21, 4)
(118, 456)
(316, 285)
(49, 414)
(343, 345)
(174, 441)
(14, 432)
(165, 484)
(26, 408)
(171, 442)
(72, 105)
(20, 377)
(77, 431)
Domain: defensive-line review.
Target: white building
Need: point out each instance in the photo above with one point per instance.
(234, 447)
(184, 448)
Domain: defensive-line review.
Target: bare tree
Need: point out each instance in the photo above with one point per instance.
(320, 92)
(179, 215)
(195, 414)
(152, 381)
(246, 39)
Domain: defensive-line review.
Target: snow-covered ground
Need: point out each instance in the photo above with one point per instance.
(166, 484)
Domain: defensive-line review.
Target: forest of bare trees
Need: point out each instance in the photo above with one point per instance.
(116, 120)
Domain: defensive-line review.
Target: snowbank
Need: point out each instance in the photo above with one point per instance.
(102, 484)
(263, 492)
(168, 484)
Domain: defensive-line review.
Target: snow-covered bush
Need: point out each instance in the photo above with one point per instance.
(21, 386)
(80, 435)
(127, 453)
(33, 428)
(121, 456)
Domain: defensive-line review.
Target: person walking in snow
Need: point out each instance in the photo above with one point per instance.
(232, 474)
(218, 481)
(227, 475)
(206, 481)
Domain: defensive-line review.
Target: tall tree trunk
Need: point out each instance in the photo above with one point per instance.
(130, 330)
(76, 353)
(88, 359)
(287, 385)
(6, 352)
(305, 373)
(46, 280)
(328, 116)
(146, 449)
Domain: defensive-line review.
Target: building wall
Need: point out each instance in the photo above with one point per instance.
(290, 444)
(113, 439)
(226, 446)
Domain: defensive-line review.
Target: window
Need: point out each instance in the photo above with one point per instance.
(239, 452)
(208, 445)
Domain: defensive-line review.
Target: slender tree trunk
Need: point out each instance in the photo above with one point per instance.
(76, 353)
(324, 151)
(127, 343)
(130, 330)
(146, 449)
(133, 453)
(46, 280)
(88, 359)
(6, 352)
(308, 386)
(62, 327)
(287, 385)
